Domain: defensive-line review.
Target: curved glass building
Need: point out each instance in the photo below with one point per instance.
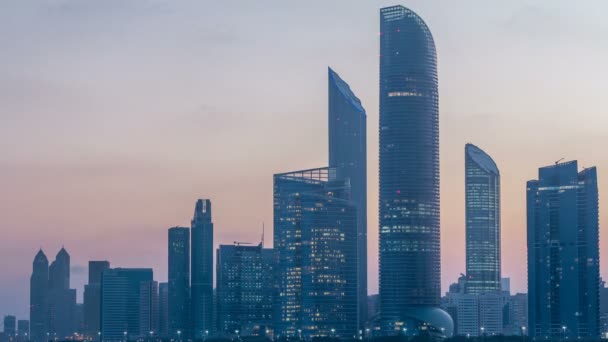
(482, 192)
(409, 167)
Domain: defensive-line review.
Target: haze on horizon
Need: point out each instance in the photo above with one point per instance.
(117, 115)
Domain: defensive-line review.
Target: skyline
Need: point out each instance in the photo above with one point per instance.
(20, 169)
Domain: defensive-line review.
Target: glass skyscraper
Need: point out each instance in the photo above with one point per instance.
(410, 283)
(121, 312)
(39, 297)
(482, 192)
(202, 270)
(179, 282)
(563, 252)
(315, 248)
(244, 289)
(348, 155)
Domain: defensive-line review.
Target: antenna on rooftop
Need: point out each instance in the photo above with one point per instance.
(559, 160)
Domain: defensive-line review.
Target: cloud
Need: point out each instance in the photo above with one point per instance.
(78, 270)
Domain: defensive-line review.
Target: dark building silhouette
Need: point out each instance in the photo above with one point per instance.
(179, 282)
(92, 299)
(482, 193)
(348, 155)
(39, 292)
(62, 299)
(121, 303)
(244, 289)
(202, 270)
(10, 326)
(563, 252)
(316, 255)
(149, 318)
(23, 329)
(163, 310)
(409, 227)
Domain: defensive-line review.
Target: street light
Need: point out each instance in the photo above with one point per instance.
(206, 334)
(179, 335)
(125, 333)
(300, 334)
(564, 331)
(333, 332)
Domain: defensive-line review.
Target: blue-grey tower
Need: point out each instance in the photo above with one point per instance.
(179, 283)
(348, 155)
(482, 194)
(39, 298)
(563, 252)
(202, 270)
(409, 171)
(316, 265)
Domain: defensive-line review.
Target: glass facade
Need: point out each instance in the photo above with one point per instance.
(202, 270)
(482, 193)
(315, 254)
(563, 252)
(179, 282)
(347, 154)
(120, 305)
(409, 167)
(244, 291)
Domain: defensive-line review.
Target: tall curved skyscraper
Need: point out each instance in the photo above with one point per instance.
(409, 170)
(482, 192)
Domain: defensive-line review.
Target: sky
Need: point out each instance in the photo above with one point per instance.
(115, 116)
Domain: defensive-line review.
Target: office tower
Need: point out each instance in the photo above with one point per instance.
(603, 308)
(92, 299)
(518, 314)
(202, 270)
(244, 289)
(563, 252)
(149, 318)
(23, 329)
(62, 299)
(39, 292)
(491, 305)
(409, 176)
(315, 251)
(482, 193)
(120, 302)
(10, 326)
(163, 310)
(179, 281)
(348, 155)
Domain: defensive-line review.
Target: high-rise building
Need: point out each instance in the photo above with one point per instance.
(23, 329)
(62, 299)
(409, 229)
(202, 270)
(244, 289)
(316, 263)
(92, 299)
(10, 326)
(482, 193)
(179, 282)
(39, 292)
(518, 315)
(120, 302)
(563, 252)
(149, 318)
(163, 310)
(348, 155)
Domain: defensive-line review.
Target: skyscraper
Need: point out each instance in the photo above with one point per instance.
(62, 299)
(149, 318)
(244, 289)
(202, 269)
(163, 310)
(482, 192)
(120, 304)
(179, 282)
(348, 155)
(39, 291)
(23, 329)
(563, 252)
(10, 326)
(409, 174)
(315, 247)
(92, 298)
